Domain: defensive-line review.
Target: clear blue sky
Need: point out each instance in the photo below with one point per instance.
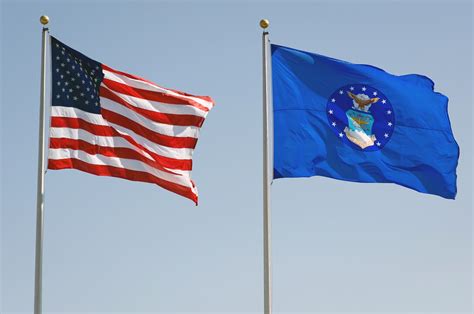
(112, 245)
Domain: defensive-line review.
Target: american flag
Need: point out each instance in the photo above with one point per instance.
(110, 123)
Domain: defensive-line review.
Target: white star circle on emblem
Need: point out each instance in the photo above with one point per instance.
(330, 111)
(389, 124)
(341, 92)
(378, 144)
(389, 112)
(363, 89)
(333, 100)
(375, 93)
(385, 135)
(333, 124)
(341, 135)
(383, 101)
(351, 88)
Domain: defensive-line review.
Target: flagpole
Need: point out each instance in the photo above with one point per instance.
(41, 167)
(267, 274)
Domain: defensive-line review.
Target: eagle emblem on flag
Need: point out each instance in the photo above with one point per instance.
(361, 116)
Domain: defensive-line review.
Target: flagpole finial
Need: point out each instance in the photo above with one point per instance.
(44, 19)
(264, 23)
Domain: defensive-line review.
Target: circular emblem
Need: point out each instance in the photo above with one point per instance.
(361, 116)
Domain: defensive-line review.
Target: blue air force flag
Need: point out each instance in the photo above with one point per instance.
(359, 123)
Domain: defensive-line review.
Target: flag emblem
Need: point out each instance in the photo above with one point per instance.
(361, 116)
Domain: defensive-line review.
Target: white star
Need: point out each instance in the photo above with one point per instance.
(96, 103)
(73, 67)
(330, 111)
(75, 98)
(87, 102)
(62, 76)
(58, 96)
(389, 112)
(92, 96)
(77, 86)
(66, 83)
(386, 135)
(57, 57)
(67, 59)
(333, 100)
(351, 88)
(62, 64)
(341, 92)
(83, 81)
(63, 90)
(67, 96)
(389, 124)
(62, 52)
(88, 89)
(82, 94)
(96, 67)
(333, 124)
(57, 70)
(378, 144)
(59, 83)
(57, 45)
(67, 72)
(341, 135)
(73, 79)
(363, 89)
(70, 90)
(383, 101)
(375, 93)
(78, 75)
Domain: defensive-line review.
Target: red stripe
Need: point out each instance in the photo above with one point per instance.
(206, 98)
(165, 118)
(76, 123)
(92, 149)
(151, 95)
(104, 130)
(133, 175)
(160, 139)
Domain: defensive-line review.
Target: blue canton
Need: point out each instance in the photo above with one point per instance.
(76, 78)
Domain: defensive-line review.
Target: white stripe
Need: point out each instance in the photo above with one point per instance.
(165, 129)
(70, 112)
(152, 87)
(159, 106)
(130, 164)
(104, 141)
(171, 152)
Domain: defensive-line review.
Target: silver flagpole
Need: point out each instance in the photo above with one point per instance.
(267, 171)
(40, 192)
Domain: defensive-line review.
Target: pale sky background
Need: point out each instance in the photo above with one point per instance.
(113, 245)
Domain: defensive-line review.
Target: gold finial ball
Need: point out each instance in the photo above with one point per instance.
(264, 23)
(44, 19)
